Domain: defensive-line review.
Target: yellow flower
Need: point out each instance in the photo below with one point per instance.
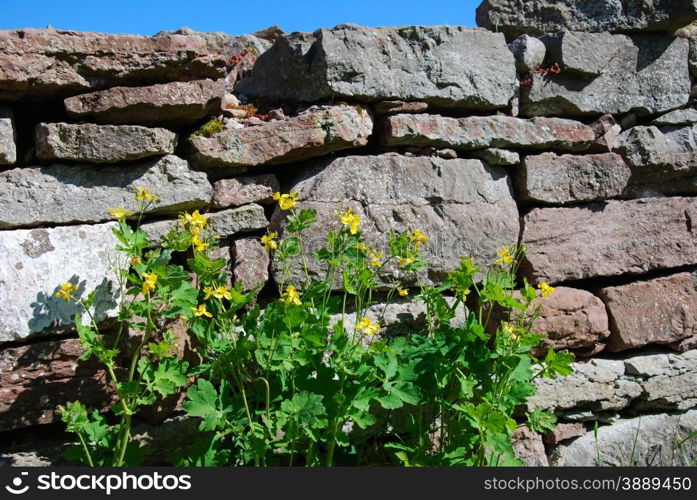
(120, 213)
(221, 293)
(350, 220)
(198, 244)
(545, 289)
(509, 330)
(403, 292)
(362, 247)
(66, 291)
(367, 326)
(405, 261)
(375, 259)
(201, 311)
(135, 261)
(194, 220)
(291, 296)
(286, 201)
(268, 240)
(418, 238)
(143, 194)
(208, 291)
(148, 282)
(505, 256)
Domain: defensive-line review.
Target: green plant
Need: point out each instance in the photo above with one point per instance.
(209, 129)
(309, 379)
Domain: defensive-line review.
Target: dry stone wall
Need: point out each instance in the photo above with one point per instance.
(574, 133)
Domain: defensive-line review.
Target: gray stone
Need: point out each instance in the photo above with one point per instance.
(222, 224)
(61, 194)
(533, 17)
(396, 107)
(175, 103)
(8, 136)
(313, 133)
(678, 117)
(37, 261)
(563, 432)
(251, 263)
(604, 73)
(496, 156)
(649, 440)
(87, 142)
(474, 70)
(657, 311)
(643, 382)
(478, 132)
(242, 190)
(606, 130)
(609, 239)
(558, 180)
(49, 63)
(529, 53)
(440, 197)
(663, 160)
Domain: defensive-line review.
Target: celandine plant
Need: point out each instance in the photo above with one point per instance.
(309, 379)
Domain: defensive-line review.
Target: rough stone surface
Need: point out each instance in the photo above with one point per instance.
(677, 117)
(529, 447)
(496, 156)
(8, 136)
(242, 190)
(663, 159)
(558, 180)
(251, 263)
(47, 63)
(48, 195)
(571, 319)
(477, 132)
(222, 224)
(564, 432)
(475, 69)
(87, 142)
(35, 379)
(37, 261)
(653, 382)
(657, 311)
(529, 53)
(604, 73)
(175, 103)
(609, 239)
(440, 197)
(396, 107)
(642, 441)
(314, 133)
(606, 130)
(513, 17)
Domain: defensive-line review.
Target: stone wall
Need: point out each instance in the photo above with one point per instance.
(578, 138)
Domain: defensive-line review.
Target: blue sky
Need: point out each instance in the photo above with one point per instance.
(235, 17)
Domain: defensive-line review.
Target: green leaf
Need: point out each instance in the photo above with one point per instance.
(203, 401)
(306, 409)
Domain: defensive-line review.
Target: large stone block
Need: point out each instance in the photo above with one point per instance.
(48, 63)
(175, 103)
(649, 382)
(36, 379)
(648, 440)
(465, 207)
(603, 73)
(87, 142)
(242, 190)
(479, 132)
(61, 194)
(657, 311)
(609, 239)
(444, 66)
(311, 134)
(8, 148)
(515, 17)
(559, 180)
(37, 261)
